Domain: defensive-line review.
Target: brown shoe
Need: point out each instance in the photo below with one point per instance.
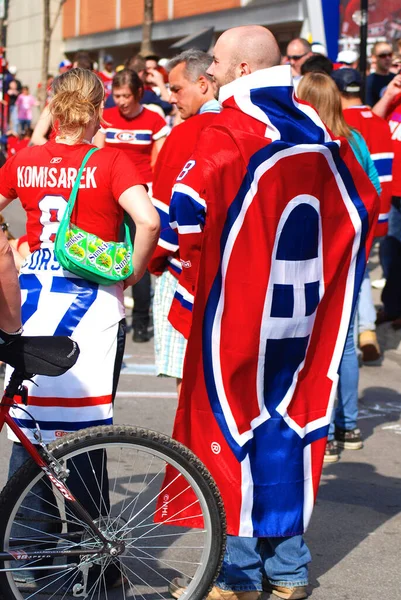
(290, 593)
(179, 584)
(383, 317)
(217, 593)
(396, 324)
(369, 346)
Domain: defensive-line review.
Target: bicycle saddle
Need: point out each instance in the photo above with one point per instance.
(40, 355)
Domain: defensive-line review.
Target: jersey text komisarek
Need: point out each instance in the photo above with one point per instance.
(53, 177)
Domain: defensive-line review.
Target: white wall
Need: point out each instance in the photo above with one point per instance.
(25, 40)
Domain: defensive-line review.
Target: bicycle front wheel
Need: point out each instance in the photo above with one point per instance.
(144, 491)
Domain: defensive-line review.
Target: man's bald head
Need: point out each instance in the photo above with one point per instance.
(241, 51)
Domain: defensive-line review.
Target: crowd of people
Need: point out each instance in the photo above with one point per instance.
(247, 261)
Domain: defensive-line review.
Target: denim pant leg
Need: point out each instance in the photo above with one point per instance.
(13, 118)
(242, 565)
(345, 414)
(40, 512)
(394, 223)
(285, 560)
(40, 500)
(366, 312)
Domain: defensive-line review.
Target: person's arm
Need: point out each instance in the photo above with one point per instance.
(4, 202)
(42, 128)
(187, 219)
(362, 154)
(10, 296)
(156, 78)
(136, 202)
(160, 133)
(385, 104)
(157, 146)
(99, 140)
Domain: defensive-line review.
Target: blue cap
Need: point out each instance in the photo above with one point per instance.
(348, 80)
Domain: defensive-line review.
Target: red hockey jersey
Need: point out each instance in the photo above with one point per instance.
(42, 178)
(175, 152)
(394, 120)
(377, 135)
(135, 136)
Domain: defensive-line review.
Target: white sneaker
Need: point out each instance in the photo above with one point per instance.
(128, 302)
(378, 284)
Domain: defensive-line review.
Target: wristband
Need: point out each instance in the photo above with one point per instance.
(7, 338)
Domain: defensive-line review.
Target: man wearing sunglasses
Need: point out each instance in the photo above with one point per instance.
(376, 82)
(298, 51)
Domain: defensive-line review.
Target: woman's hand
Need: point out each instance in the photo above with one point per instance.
(136, 202)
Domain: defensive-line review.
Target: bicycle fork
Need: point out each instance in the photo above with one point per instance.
(57, 473)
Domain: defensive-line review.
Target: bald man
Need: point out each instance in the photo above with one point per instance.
(247, 211)
(298, 51)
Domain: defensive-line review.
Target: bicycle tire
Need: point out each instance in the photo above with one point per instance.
(85, 443)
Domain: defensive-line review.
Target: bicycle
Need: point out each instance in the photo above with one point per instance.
(100, 513)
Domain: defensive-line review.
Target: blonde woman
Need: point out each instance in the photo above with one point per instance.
(321, 91)
(56, 302)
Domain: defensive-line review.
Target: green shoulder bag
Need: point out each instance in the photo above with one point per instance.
(87, 255)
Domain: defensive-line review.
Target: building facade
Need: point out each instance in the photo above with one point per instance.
(115, 26)
(24, 48)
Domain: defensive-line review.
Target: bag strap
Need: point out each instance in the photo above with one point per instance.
(74, 191)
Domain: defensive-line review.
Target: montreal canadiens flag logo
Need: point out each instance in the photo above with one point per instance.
(125, 136)
(283, 255)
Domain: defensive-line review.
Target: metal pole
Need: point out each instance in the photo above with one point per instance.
(363, 46)
(3, 125)
(3, 112)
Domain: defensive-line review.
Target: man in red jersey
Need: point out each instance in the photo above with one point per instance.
(389, 107)
(376, 132)
(192, 92)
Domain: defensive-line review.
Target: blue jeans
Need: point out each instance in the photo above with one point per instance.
(394, 223)
(23, 125)
(39, 511)
(13, 118)
(390, 257)
(366, 312)
(345, 414)
(283, 561)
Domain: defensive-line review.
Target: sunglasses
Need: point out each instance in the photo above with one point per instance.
(296, 57)
(385, 55)
(4, 226)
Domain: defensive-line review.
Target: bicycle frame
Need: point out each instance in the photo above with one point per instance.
(12, 389)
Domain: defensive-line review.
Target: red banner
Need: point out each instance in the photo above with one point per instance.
(384, 19)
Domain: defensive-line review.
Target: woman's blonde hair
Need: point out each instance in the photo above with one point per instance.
(77, 100)
(320, 90)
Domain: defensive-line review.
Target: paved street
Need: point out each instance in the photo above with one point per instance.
(355, 534)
